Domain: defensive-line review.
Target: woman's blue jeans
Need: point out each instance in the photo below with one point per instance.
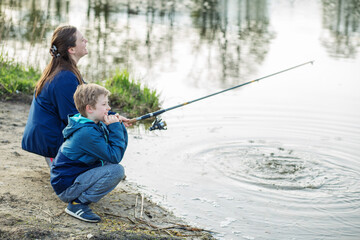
(94, 184)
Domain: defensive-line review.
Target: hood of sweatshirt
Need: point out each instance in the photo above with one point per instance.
(75, 122)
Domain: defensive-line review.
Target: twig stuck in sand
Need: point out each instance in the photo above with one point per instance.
(135, 206)
(142, 205)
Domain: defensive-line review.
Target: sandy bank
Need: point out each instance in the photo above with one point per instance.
(29, 208)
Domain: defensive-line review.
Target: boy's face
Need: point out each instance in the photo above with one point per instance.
(101, 109)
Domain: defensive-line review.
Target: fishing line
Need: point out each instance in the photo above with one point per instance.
(158, 124)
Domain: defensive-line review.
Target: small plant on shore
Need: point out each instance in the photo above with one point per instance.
(15, 79)
(129, 96)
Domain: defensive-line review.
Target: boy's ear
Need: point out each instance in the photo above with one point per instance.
(89, 109)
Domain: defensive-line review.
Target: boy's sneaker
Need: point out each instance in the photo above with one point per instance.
(82, 212)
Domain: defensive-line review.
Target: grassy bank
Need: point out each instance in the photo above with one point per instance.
(128, 96)
(15, 79)
(17, 82)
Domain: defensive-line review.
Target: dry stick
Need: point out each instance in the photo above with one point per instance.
(165, 229)
(168, 233)
(135, 206)
(147, 223)
(153, 226)
(47, 219)
(187, 227)
(142, 205)
(115, 215)
(50, 215)
(131, 220)
(181, 226)
(57, 215)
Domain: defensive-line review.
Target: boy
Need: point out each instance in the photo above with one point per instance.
(87, 167)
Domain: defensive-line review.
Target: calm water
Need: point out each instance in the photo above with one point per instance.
(277, 159)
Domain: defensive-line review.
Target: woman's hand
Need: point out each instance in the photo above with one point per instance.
(124, 120)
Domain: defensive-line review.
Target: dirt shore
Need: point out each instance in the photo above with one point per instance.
(29, 208)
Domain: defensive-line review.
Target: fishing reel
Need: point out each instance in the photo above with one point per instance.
(158, 125)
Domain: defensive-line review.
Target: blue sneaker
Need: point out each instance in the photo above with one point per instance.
(82, 212)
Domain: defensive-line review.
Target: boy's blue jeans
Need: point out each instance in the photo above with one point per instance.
(94, 184)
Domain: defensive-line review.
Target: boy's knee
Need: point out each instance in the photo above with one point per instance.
(119, 171)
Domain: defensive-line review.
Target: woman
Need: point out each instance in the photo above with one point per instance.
(53, 98)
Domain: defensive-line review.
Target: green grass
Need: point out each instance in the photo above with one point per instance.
(15, 79)
(127, 96)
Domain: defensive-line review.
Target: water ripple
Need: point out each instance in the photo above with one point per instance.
(275, 166)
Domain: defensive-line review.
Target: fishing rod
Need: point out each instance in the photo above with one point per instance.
(158, 124)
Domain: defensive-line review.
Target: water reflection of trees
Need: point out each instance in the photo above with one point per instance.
(130, 34)
(233, 35)
(241, 31)
(24, 26)
(27, 20)
(341, 20)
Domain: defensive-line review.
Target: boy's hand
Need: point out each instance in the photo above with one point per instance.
(109, 119)
(123, 120)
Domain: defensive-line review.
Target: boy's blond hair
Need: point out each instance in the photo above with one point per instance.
(87, 94)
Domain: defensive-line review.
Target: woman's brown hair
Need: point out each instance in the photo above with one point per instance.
(64, 37)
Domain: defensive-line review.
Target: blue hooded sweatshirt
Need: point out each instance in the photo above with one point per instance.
(87, 145)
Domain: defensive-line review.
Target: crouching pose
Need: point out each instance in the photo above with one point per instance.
(87, 167)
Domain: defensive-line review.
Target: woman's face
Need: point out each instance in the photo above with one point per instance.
(80, 47)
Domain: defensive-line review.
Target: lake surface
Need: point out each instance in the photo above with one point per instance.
(276, 159)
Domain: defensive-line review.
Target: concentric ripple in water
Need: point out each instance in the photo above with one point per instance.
(272, 165)
(288, 183)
